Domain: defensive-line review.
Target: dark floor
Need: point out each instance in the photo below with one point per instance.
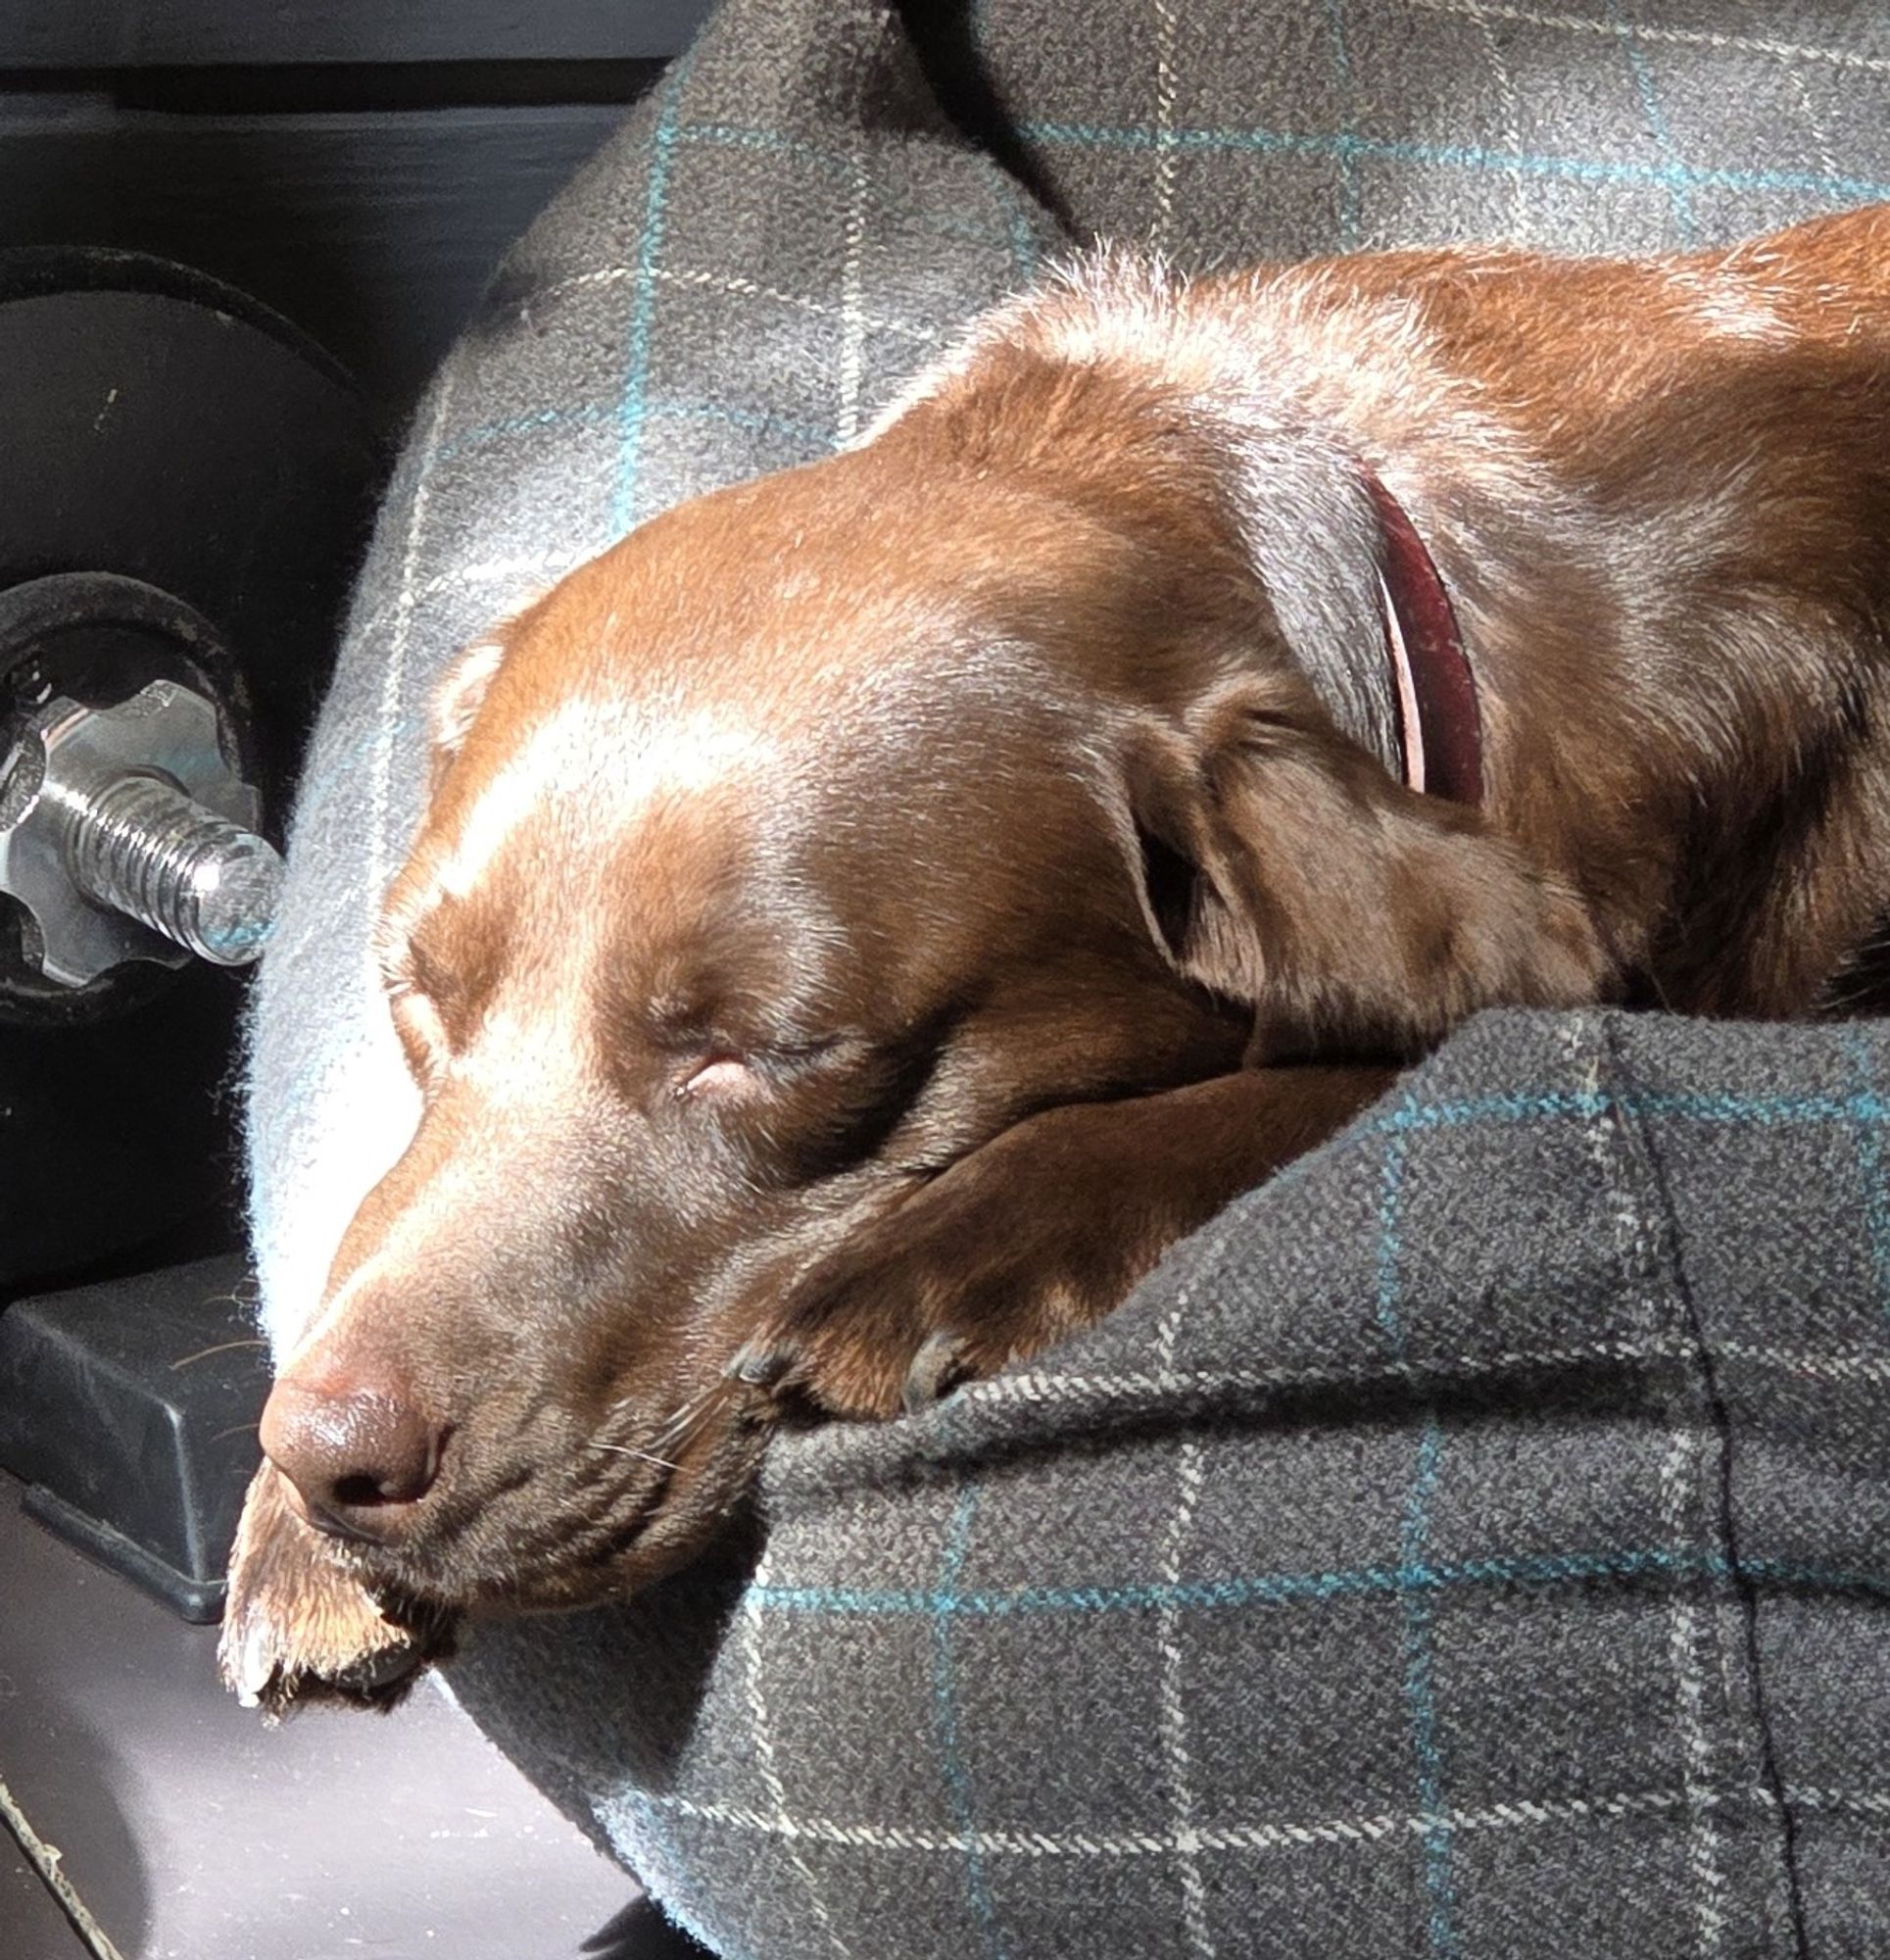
(194, 1832)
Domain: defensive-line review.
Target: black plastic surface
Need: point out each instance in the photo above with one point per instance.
(130, 1409)
(194, 1830)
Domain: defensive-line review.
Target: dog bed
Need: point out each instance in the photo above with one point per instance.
(1478, 1543)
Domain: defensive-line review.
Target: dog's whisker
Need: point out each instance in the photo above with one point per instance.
(688, 1421)
(624, 1450)
(221, 1347)
(685, 1418)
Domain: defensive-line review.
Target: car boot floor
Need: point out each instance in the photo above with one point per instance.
(193, 1832)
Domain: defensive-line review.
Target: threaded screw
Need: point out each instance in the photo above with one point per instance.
(141, 846)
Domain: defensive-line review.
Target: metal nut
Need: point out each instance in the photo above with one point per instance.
(127, 834)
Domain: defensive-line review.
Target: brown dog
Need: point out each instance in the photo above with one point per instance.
(866, 916)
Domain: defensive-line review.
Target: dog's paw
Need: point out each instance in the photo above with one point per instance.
(993, 1260)
(298, 1626)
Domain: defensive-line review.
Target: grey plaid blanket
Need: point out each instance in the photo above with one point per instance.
(1473, 1545)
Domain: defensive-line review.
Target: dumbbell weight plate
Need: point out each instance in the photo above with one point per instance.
(219, 474)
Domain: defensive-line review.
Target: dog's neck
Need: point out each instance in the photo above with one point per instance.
(1353, 586)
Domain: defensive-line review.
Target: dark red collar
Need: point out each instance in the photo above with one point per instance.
(1440, 731)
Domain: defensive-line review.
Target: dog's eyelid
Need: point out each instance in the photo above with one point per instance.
(688, 1032)
(800, 1048)
(714, 1073)
(722, 1066)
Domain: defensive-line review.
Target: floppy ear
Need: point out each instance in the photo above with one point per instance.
(1285, 869)
(458, 697)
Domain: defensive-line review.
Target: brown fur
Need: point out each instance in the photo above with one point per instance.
(300, 1627)
(867, 915)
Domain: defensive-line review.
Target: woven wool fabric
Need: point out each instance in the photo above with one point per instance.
(1473, 1546)
(1476, 1543)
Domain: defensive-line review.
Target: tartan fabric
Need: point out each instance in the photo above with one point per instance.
(1477, 1543)
(1472, 1545)
(1249, 129)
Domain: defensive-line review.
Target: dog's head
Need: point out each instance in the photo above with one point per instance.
(783, 856)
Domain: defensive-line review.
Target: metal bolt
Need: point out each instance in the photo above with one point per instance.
(127, 834)
(142, 847)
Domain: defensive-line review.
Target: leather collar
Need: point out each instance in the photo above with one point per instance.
(1440, 731)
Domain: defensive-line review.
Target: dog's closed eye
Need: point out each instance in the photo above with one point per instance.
(719, 1075)
(723, 1070)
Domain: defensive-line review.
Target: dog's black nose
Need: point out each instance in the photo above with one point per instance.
(358, 1454)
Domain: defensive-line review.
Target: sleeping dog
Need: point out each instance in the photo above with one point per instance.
(867, 915)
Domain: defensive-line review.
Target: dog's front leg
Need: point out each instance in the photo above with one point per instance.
(1040, 1233)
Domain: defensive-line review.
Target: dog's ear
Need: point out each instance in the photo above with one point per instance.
(458, 697)
(1284, 867)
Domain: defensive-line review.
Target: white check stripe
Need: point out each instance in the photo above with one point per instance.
(1815, 1367)
(1696, 1758)
(386, 735)
(525, 574)
(762, 1730)
(1511, 128)
(1699, 38)
(1854, 1803)
(1164, 35)
(394, 675)
(750, 289)
(1644, 1282)
(1821, 136)
(1524, 1813)
(738, 287)
(853, 314)
(1168, 1634)
(1140, 1386)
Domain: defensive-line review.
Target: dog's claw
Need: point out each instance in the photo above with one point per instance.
(939, 1366)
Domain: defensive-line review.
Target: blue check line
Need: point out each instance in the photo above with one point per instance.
(756, 421)
(1864, 1106)
(944, 1703)
(841, 169)
(686, 408)
(1463, 156)
(1658, 126)
(633, 406)
(1024, 250)
(509, 428)
(657, 1862)
(1390, 1195)
(1286, 1589)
